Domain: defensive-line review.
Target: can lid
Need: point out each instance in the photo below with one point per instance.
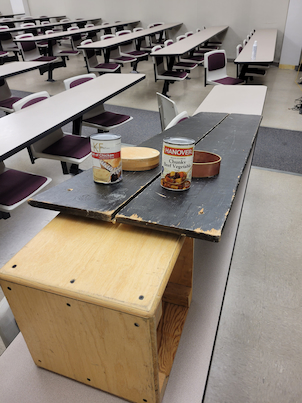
(106, 136)
(183, 141)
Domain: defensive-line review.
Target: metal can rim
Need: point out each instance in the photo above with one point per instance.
(105, 137)
(182, 141)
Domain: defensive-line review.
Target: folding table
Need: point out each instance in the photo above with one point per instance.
(266, 45)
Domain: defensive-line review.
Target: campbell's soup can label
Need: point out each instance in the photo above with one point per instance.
(177, 163)
(106, 158)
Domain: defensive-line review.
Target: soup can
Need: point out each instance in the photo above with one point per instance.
(177, 163)
(106, 158)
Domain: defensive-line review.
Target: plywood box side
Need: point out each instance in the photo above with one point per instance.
(119, 265)
(106, 349)
(183, 269)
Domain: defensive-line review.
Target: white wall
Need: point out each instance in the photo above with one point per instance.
(240, 15)
(292, 42)
(5, 7)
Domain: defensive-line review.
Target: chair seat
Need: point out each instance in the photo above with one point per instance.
(3, 54)
(185, 65)
(107, 66)
(8, 103)
(45, 59)
(16, 186)
(137, 53)
(194, 59)
(174, 74)
(229, 81)
(70, 146)
(108, 119)
(125, 59)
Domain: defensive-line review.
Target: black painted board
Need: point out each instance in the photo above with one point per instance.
(201, 211)
(196, 127)
(81, 196)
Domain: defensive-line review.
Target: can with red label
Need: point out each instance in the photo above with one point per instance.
(106, 158)
(177, 163)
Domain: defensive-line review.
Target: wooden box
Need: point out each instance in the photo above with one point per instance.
(103, 303)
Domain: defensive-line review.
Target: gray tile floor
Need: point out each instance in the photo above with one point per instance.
(258, 352)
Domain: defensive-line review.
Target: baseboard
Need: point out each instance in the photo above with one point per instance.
(287, 67)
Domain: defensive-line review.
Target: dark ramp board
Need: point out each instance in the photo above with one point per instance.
(201, 211)
(81, 196)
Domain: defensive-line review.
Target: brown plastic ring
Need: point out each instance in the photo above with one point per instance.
(205, 164)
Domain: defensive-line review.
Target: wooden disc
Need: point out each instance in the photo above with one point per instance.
(139, 158)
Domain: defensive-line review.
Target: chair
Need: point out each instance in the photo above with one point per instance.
(16, 187)
(167, 110)
(90, 35)
(184, 66)
(157, 39)
(98, 117)
(3, 55)
(69, 148)
(144, 42)
(179, 118)
(30, 52)
(161, 73)
(6, 98)
(128, 49)
(57, 51)
(92, 63)
(189, 57)
(251, 71)
(215, 63)
(211, 43)
(7, 42)
(29, 25)
(75, 39)
(115, 54)
(199, 50)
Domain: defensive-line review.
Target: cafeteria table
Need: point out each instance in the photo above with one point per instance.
(14, 68)
(105, 45)
(266, 45)
(188, 44)
(20, 129)
(248, 100)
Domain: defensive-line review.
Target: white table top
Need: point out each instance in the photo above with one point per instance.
(57, 35)
(13, 68)
(191, 42)
(125, 38)
(243, 99)
(266, 44)
(75, 22)
(26, 126)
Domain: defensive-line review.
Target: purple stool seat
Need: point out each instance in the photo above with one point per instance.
(175, 74)
(185, 65)
(108, 119)
(16, 186)
(137, 53)
(70, 146)
(8, 103)
(110, 66)
(69, 52)
(125, 59)
(229, 81)
(44, 59)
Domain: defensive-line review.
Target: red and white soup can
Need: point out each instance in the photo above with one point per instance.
(106, 158)
(177, 163)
